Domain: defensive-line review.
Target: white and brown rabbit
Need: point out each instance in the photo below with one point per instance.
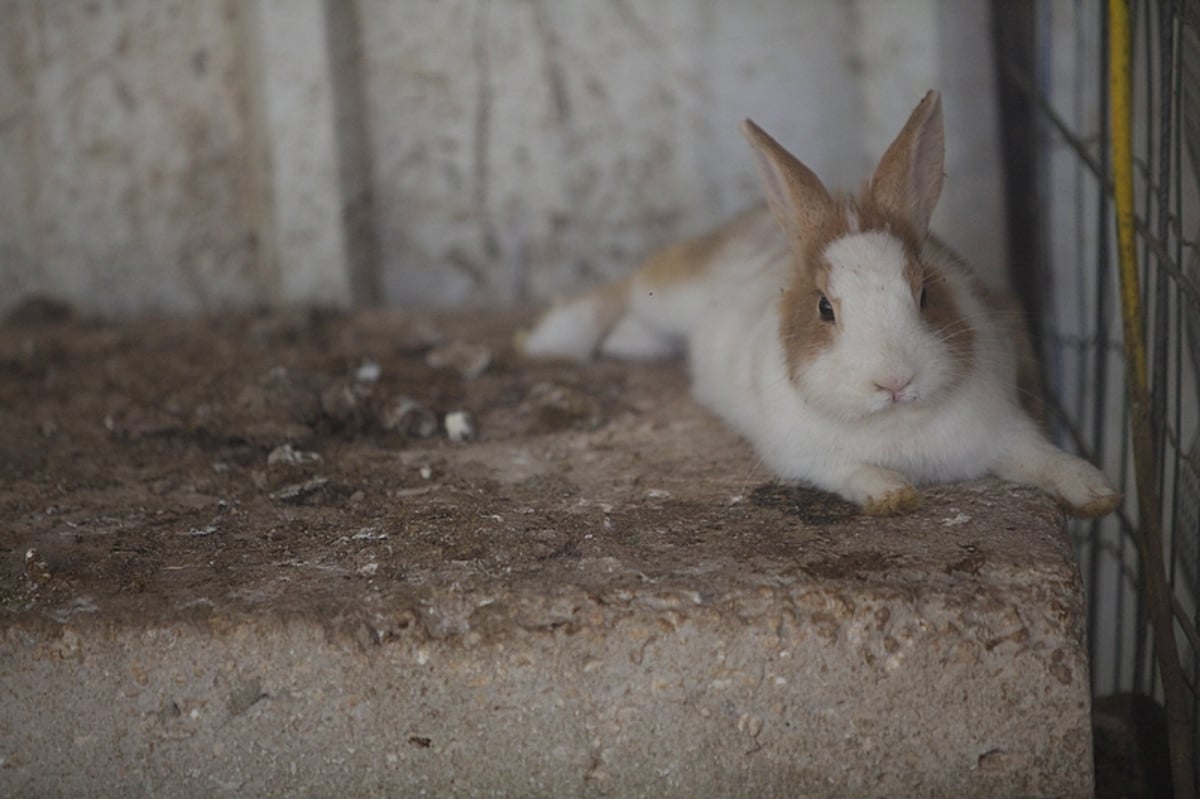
(855, 351)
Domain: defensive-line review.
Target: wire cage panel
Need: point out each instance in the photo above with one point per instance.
(1055, 69)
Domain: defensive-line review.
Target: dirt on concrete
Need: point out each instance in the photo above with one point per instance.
(166, 467)
(147, 464)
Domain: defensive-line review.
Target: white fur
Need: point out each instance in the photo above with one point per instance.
(633, 339)
(834, 427)
(569, 330)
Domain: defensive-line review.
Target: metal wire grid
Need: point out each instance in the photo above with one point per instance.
(1053, 64)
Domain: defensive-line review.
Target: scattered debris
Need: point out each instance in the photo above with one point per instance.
(403, 493)
(368, 372)
(559, 407)
(342, 402)
(298, 492)
(406, 415)
(286, 454)
(36, 567)
(469, 360)
(80, 604)
(136, 423)
(459, 426)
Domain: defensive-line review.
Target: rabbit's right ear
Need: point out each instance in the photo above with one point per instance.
(908, 180)
(796, 196)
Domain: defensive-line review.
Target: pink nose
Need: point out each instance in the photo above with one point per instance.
(894, 387)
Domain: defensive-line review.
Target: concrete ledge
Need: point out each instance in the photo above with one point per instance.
(599, 596)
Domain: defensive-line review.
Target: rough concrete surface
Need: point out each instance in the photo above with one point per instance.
(239, 558)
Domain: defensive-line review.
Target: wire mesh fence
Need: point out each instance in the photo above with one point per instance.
(1055, 65)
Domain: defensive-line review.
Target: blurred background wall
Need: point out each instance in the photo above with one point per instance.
(187, 156)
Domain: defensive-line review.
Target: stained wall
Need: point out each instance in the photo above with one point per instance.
(196, 155)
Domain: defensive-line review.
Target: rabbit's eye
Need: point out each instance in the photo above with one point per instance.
(825, 309)
(923, 299)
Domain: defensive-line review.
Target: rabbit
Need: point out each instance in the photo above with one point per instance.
(855, 351)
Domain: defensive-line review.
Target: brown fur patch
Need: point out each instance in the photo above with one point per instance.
(691, 258)
(945, 318)
(805, 334)
(611, 301)
(1010, 317)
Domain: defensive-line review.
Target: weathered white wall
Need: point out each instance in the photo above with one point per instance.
(544, 144)
(124, 169)
(541, 144)
(197, 154)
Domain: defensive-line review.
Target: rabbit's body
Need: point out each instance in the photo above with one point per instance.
(852, 349)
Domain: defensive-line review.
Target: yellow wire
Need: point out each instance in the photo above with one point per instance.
(1121, 111)
(1149, 533)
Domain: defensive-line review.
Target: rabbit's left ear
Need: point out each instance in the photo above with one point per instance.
(797, 197)
(908, 180)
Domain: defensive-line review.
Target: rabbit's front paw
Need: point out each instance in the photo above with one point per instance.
(901, 500)
(1081, 488)
(881, 492)
(1078, 486)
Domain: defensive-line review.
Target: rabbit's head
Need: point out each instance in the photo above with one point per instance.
(869, 324)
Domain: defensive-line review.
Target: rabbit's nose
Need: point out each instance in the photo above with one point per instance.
(895, 387)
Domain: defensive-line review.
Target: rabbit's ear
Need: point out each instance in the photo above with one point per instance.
(797, 197)
(908, 180)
